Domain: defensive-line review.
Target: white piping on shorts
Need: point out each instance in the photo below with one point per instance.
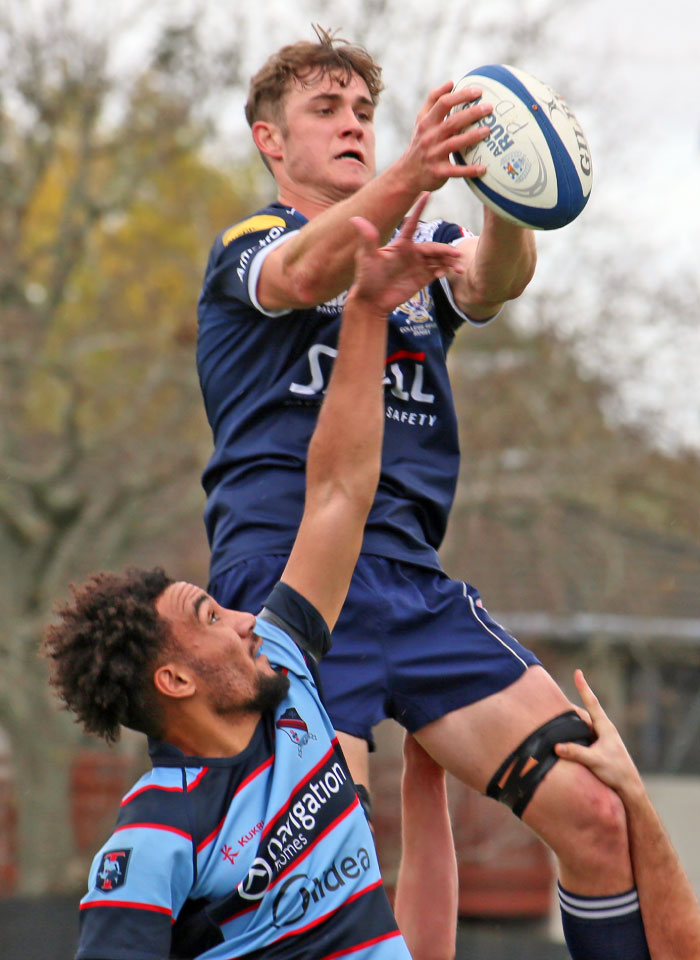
(487, 628)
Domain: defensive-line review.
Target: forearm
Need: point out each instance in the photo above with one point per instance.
(668, 902)
(500, 267)
(345, 451)
(318, 263)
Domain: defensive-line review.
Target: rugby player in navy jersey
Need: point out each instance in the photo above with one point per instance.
(410, 643)
(247, 838)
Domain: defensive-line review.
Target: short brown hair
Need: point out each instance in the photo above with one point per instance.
(303, 63)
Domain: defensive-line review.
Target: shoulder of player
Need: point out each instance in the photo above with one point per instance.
(163, 806)
(266, 224)
(286, 609)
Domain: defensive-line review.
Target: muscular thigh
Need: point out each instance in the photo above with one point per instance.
(580, 818)
(413, 645)
(471, 742)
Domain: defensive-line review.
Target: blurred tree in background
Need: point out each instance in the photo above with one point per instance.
(103, 238)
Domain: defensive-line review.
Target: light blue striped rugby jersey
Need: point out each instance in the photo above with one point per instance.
(265, 854)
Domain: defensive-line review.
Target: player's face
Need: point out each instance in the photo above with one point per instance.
(327, 140)
(221, 650)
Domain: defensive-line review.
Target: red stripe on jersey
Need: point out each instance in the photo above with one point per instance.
(251, 776)
(157, 786)
(321, 919)
(154, 908)
(405, 355)
(154, 826)
(304, 780)
(297, 860)
(151, 786)
(198, 779)
(361, 946)
(255, 773)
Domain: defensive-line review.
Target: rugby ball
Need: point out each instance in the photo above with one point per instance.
(537, 159)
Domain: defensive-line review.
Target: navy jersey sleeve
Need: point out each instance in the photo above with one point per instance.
(289, 610)
(238, 253)
(449, 316)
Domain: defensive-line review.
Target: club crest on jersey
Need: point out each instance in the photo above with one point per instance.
(295, 728)
(112, 872)
(417, 309)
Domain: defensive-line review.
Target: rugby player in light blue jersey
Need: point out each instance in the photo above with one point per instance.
(247, 838)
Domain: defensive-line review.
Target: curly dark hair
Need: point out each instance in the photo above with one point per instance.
(104, 648)
(302, 62)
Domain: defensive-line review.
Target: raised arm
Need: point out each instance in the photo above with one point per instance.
(496, 266)
(318, 263)
(673, 933)
(344, 458)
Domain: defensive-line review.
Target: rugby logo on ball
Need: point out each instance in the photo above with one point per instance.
(538, 164)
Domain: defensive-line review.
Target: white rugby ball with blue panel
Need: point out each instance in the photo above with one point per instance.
(538, 163)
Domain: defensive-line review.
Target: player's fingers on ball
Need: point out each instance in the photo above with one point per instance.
(464, 140)
(468, 116)
(432, 99)
(463, 96)
(438, 92)
(448, 99)
(469, 170)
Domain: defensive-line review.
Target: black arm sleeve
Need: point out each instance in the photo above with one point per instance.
(300, 619)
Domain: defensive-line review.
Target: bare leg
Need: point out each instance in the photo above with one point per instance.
(427, 885)
(572, 811)
(357, 757)
(426, 889)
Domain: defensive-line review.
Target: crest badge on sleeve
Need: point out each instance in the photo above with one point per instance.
(112, 871)
(295, 728)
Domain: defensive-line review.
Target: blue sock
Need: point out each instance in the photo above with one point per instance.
(603, 928)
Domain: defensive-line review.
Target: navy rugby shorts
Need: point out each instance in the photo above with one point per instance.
(410, 643)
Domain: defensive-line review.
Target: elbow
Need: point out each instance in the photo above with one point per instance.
(525, 273)
(305, 283)
(522, 271)
(358, 489)
(517, 283)
(304, 290)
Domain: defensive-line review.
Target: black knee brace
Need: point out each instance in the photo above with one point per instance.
(520, 774)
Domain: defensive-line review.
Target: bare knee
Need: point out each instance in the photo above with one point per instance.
(599, 817)
(584, 823)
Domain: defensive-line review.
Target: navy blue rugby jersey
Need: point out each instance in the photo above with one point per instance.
(264, 854)
(263, 376)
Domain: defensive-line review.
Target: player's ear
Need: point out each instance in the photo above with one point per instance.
(268, 139)
(174, 680)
